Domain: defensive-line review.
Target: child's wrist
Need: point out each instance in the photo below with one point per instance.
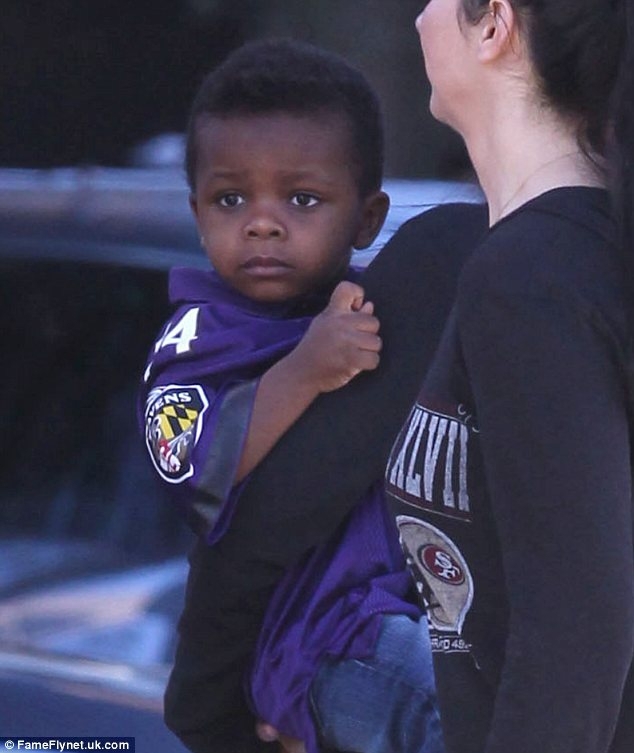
(301, 373)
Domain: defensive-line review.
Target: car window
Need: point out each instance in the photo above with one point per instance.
(75, 338)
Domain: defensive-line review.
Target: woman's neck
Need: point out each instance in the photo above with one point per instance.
(523, 156)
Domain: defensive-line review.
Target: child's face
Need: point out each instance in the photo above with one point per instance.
(277, 202)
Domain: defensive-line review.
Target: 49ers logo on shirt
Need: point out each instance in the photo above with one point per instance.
(173, 422)
(441, 573)
(440, 563)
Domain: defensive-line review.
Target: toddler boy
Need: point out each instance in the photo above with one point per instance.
(284, 162)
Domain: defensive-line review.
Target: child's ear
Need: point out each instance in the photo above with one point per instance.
(374, 212)
(193, 205)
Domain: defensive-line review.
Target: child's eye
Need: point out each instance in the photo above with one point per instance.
(304, 200)
(230, 200)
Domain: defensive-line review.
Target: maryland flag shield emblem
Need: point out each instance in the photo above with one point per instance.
(173, 423)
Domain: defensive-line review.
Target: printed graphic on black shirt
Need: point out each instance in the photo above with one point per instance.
(173, 422)
(441, 572)
(428, 465)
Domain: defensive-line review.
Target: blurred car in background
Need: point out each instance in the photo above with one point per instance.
(93, 554)
(88, 653)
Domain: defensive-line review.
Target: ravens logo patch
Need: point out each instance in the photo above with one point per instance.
(173, 422)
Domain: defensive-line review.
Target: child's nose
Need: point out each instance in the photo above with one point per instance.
(264, 224)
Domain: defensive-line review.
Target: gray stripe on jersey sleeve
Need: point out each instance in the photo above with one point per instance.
(217, 476)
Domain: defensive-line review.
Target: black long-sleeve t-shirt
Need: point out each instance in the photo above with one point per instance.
(298, 495)
(512, 486)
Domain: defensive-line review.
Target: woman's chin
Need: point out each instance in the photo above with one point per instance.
(437, 110)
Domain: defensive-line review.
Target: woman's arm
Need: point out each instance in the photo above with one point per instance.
(341, 342)
(329, 458)
(319, 469)
(553, 425)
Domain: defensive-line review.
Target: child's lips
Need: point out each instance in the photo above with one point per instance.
(266, 266)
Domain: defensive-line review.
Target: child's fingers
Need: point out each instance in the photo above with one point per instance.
(365, 322)
(347, 296)
(368, 360)
(266, 732)
(367, 308)
(269, 734)
(368, 341)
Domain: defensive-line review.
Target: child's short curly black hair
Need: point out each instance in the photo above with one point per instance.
(282, 75)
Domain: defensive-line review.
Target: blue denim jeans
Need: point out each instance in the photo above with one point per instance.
(385, 704)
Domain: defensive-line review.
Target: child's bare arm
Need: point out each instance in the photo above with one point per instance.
(340, 343)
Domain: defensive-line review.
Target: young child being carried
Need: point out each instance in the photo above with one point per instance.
(284, 162)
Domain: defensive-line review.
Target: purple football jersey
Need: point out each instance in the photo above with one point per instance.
(195, 408)
(199, 386)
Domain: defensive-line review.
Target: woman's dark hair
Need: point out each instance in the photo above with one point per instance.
(284, 76)
(583, 52)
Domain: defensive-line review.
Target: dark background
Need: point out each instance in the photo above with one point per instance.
(83, 81)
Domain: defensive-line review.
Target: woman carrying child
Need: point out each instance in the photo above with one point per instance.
(512, 479)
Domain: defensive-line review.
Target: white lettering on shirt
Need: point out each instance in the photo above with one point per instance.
(435, 448)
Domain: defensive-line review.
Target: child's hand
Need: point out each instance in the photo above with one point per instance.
(269, 734)
(341, 342)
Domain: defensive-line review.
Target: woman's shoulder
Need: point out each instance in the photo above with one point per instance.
(444, 235)
(581, 213)
(444, 220)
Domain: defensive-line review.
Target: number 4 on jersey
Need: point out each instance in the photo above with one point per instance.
(181, 334)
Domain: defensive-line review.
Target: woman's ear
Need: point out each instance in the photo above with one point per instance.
(497, 31)
(373, 214)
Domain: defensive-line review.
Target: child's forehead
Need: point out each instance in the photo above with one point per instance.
(276, 148)
(274, 127)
